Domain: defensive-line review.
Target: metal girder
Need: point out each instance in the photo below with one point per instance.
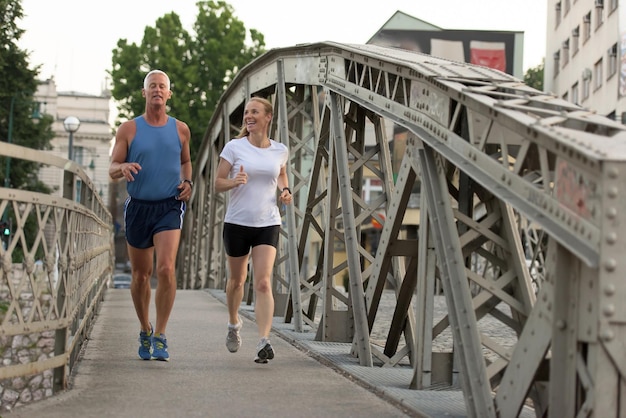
(454, 281)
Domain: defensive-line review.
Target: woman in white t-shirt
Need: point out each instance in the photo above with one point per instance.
(252, 167)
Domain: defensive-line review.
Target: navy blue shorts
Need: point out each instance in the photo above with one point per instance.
(144, 218)
(239, 239)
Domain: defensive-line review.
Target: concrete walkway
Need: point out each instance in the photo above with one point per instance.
(202, 379)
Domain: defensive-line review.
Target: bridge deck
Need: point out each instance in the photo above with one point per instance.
(204, 379)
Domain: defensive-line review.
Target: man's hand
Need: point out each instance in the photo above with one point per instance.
(129, 170)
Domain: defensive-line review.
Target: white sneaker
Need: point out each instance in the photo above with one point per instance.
(264, 351)
(233, 339)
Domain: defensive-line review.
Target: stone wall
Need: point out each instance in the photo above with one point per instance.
(24, 349)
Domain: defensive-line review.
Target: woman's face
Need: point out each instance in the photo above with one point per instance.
(255, 117)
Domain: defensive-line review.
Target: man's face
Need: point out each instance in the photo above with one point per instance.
(158, 90)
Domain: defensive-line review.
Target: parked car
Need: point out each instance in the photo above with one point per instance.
(123, 267)
(121, 281)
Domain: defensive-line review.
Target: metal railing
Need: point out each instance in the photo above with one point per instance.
(55, 264)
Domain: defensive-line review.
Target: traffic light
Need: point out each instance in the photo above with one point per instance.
(5, 229)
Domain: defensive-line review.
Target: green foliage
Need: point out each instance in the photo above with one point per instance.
(19, 121)
(17, 87)
(200, 67)
(534, 76)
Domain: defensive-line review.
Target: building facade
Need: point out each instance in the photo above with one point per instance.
(585, 53)
(501, 50)
(91, 143)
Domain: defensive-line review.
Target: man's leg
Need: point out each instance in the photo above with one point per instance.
(141, 270)
(166, 247)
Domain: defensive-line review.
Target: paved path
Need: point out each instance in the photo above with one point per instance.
(203, 379)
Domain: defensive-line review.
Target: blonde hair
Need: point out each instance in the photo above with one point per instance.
(267, 106)
(146, 79)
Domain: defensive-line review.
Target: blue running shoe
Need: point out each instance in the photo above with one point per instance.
(145, 344)
(159, 348)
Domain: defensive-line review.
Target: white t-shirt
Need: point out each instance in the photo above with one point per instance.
(254, 203)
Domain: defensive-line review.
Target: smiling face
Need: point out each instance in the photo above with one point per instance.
(157, 89)
(256, 118)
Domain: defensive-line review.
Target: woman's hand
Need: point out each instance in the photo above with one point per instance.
(241, 177)
(285, 196)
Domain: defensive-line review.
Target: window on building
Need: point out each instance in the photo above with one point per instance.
(372, 189)
(586, 27)
(611, 63)
(575, 93)
(566, 6)
(597, 74)
(566, 96)
(565, 52)
(612, 5)
(557, 61)
(586, 83)
(557, 15)
(599, 12)
(575, 37)
(79, 155)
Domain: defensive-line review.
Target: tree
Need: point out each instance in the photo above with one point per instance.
(534, 76)
(200, 67)
(17, 122)
(17, 87)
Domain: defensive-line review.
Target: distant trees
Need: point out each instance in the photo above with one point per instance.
(200, 66)
(534, 76)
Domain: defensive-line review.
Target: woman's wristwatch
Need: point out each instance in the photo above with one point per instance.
(287, 188)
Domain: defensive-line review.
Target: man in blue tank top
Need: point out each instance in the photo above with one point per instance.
(151, 153)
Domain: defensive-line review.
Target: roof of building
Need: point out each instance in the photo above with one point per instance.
(403, 21)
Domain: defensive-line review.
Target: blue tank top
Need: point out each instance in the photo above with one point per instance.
(157, 150)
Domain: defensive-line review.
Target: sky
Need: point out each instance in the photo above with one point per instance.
(72, 40)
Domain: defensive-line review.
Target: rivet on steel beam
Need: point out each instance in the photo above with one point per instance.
(611, 213)
(611, 238)
(613, 173)
(560, 324)
(612, 192)
(610, 264)
(609, 310)
(609, 289)
(607, 335)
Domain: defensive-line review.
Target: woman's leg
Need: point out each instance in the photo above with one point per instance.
(263, 257)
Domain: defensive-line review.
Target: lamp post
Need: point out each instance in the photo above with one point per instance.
(71, 125)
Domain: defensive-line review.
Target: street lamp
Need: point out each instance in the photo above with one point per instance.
(71, 125)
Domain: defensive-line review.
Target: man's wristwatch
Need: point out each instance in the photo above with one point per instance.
(188, 181)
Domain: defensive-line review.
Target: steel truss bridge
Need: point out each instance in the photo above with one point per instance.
(520, 222)
(519, 232)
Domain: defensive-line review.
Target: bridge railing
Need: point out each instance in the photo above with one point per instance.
(519, 196)
(55, 265)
